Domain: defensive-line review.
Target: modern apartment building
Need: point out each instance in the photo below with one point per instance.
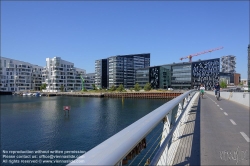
(89, 80)
(101, 73)
(19, 76)
(60, 75)
(122, 68)
(228, 64)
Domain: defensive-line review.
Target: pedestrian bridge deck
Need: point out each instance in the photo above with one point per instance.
(216, 133)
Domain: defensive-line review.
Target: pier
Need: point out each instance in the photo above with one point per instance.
(148, 95)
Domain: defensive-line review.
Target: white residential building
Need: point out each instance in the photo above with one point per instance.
(228, 64)
(19, 76)
(89, 80)
(60, 75)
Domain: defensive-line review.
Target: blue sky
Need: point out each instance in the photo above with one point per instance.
(83, 31)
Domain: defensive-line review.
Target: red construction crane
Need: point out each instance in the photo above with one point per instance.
(204, 52)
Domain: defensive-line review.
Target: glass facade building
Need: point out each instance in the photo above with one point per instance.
(120, 69)
(226, 77)
(142, 76)
(101, 73)
(187, 75)
(181, 76)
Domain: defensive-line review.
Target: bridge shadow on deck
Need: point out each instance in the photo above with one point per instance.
(188, 152)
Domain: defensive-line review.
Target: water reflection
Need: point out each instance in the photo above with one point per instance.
(39, 123)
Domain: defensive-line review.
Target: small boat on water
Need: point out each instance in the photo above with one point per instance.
(29, 94)
(42, 94)
(24, 94)
(37, 94)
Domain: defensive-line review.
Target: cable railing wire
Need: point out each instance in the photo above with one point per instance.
(152, 146)
(157, 132)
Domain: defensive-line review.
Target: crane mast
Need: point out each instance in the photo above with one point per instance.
(82, 79)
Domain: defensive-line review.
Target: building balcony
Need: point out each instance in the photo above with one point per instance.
(71, 78)
(21, 66)
(10, 65)
(70, 81)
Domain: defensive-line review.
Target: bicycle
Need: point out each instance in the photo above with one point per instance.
(218, 95)
(202, 93)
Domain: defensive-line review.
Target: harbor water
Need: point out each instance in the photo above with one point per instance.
(40, 123)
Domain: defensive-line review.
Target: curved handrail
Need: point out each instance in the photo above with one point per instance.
(114, 149)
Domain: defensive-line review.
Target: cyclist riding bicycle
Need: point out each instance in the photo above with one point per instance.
(202, 90)
(217, 89)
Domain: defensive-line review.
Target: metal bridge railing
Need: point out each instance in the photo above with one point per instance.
(128, 143)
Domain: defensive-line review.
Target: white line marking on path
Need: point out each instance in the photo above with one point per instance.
(226, 114)
(221, 108)
(218, 105)
(232, 121)
(245, 136)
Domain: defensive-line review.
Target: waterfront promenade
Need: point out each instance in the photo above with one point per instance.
(216, 133)
(148, 94)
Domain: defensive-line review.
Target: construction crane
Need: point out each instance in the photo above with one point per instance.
(82, 79)
(204, 52)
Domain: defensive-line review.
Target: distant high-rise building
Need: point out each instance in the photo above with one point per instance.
(101, 73)
(228, 64)
(122, 68)
(119, 69)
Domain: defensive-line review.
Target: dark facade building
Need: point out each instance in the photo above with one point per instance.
(119, 69)
(226, 77)
(186, 75)
(206, 72)
(101, 73)
(122, 68)
(159, 77)
(235, 79)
